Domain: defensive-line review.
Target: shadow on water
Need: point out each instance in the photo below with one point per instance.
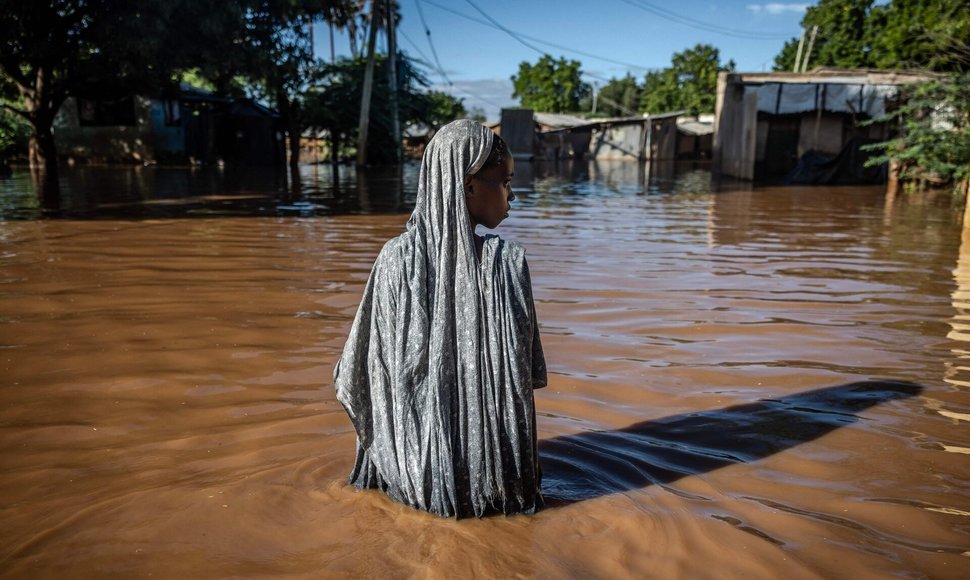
(594, 464)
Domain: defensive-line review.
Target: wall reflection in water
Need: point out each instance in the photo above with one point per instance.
(151, 192)
(957, 371)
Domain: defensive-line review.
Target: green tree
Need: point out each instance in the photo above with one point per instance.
(14, 135)
(619, 97)
(841, 37)
(932, 34)
(552, 86)
(275, 58)
(934, 141)
(14, 129)
(53, 50)
(333, 105)
(478, 114)
(689, 84)
(444, 108)
(661, 92)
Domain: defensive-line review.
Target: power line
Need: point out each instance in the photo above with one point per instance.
(454, 88)
(440, 69)
(424, 58)
(427, 32)
(478, 97)
(534, 39)
(515, 36)
(699, 24)
(502, 28)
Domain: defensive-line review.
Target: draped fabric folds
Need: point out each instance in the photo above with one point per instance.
(438, 370)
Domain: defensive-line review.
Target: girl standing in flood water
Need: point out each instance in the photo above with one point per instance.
(438, 370)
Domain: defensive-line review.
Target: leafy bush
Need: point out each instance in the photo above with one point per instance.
(934, 141)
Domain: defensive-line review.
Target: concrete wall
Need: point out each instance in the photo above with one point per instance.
(518, 131)
(621, 141)
(663, 138)
(735, 128)
(168, 141)
(566, 144)
(729, 129)
(105, 143)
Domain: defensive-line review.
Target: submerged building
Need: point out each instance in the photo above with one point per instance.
(191, 126)
(650, 137)
(806, 127)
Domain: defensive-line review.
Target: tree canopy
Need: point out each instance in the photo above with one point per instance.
(333, 105)
(934, 140)
(931, 34)
(549, 85)
(619, 97)
(52, 50)
(689, 83)
(932, 144)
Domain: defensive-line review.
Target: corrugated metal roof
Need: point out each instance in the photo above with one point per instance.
(834, 75)
(695, 128)
(667, 115)
(558, 120)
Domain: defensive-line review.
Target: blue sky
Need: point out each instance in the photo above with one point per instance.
(624, 36)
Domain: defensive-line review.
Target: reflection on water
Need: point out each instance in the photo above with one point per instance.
(142, 192)
(315, 190)
(764, 382)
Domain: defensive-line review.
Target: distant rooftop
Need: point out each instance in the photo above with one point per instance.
(853, 76)
(559, 120)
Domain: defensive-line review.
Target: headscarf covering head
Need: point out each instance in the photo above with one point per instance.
(457, 150)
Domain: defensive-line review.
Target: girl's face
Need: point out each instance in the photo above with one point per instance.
(488, 194)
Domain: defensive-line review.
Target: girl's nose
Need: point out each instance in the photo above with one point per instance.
(511, 194)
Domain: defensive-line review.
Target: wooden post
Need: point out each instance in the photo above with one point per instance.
(798, 54)
(392, 79)
(892, 181)
(749, 136)
(368, 87)
(965, 186)
(811, 43)
(818, 121)
(720, 124)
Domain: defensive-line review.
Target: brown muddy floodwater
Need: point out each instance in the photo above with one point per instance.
(757, 383)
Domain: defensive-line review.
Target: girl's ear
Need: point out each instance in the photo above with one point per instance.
(468, 184)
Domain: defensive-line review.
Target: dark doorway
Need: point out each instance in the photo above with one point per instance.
(781, 147)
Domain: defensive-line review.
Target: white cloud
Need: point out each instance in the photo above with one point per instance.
(489, 94)
(777, 8)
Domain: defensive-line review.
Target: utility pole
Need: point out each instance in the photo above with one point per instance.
(811, 43)
(392, 78)
(368, 87)
(798, 54)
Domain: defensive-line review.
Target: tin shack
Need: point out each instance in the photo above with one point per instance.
(778, 126)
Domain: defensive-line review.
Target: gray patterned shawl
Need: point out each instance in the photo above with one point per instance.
(438, 370)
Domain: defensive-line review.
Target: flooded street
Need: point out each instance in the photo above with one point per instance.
(760, 383)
